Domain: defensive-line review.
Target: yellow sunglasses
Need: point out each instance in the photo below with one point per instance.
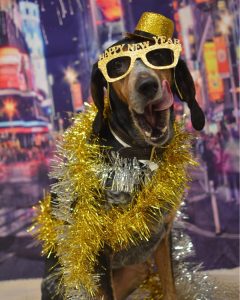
(116, 62)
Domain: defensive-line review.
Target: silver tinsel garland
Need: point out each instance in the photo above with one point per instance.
(192, 283)
(126, 175)
(77, 221)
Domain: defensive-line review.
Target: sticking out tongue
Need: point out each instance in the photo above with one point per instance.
(152, 110)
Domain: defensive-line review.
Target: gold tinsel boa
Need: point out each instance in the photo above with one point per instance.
(78, 226)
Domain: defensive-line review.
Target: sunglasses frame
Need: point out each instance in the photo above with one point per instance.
(135, 54)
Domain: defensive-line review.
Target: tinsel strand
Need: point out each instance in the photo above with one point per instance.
(84, 223)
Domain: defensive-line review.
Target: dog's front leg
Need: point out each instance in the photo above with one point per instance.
(129, 278)
(163, 261)
(104, 269)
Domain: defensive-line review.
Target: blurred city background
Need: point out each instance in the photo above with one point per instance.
(47, 48)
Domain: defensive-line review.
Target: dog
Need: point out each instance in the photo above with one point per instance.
(140, 118)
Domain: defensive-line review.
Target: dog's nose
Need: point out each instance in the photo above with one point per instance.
(147, 87)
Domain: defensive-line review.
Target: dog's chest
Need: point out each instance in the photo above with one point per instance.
(142, 251)
(126, 180)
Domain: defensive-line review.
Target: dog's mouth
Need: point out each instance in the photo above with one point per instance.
(154, 122)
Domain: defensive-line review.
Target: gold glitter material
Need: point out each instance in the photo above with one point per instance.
(139, 50)
(150, 289)
(45, 226)
(155, 24)
(85, 225)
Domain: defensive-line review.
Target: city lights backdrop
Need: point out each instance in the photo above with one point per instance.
(47, 48)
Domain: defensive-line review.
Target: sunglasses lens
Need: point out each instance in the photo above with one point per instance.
(118, 66)
(160, 57)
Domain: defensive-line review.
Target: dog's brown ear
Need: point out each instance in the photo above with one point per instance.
(185, 89)
(97, 91)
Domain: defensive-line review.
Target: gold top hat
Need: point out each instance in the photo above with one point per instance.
(151, 24)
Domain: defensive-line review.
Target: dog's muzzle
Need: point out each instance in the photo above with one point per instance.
(147, 87)
(152, 119)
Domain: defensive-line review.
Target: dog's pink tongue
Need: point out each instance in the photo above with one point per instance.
(165, 102)
(166, 99)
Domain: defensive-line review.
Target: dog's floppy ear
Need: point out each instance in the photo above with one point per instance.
(185, 89)
(97, 91)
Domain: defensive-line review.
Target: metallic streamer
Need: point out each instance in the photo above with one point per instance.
(78, 220)
(126, 175)
(45, 227)
(191, 282)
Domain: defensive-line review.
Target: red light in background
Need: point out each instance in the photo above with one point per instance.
(111, 9)
(15, 70)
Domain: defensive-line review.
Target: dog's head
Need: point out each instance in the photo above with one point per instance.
(143, 79)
